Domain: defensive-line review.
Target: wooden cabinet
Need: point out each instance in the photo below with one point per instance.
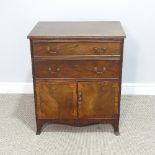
(77, 69)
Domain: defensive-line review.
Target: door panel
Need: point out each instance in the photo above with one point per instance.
(98, 99)
(56, 99)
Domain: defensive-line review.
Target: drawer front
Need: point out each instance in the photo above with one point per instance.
(94, 48)
(77, 69)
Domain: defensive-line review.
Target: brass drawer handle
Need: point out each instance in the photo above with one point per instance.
(53, 70)
(75, 45)
(99, 50)
(52, 50)
(99, 72)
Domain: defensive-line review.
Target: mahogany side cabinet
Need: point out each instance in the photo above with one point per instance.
(77, 72)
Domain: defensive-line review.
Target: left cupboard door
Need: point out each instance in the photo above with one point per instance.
(56, 99)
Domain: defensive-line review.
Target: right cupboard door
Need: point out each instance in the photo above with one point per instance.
(98, 99)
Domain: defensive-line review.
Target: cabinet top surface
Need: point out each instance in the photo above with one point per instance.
(90, 29)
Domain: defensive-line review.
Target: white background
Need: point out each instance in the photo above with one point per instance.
(17, 18)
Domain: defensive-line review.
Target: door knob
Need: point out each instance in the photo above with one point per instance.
(79, 98)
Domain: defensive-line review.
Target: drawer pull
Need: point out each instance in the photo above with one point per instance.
(75, 45)
(99, 50)
(53, 70)
(52, 50)
(99, 72)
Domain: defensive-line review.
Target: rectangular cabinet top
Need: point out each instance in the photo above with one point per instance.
(90, 29)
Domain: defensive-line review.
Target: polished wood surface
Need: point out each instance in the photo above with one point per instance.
(69, 48)
(99, 99)
(77, 69)
(56, 99)
(77, 72)
(89, 29)
(78, 57)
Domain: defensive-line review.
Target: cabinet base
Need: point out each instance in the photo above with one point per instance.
(79, 123)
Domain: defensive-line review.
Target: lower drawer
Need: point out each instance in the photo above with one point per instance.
(77, 68)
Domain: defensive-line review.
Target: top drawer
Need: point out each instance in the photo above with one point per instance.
(80, 48)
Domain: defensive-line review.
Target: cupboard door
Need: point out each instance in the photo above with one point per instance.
(98, 99)
(56, 99)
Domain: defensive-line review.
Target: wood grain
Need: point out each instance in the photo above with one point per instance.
(56, 99)
(89, 29)
(98, 99)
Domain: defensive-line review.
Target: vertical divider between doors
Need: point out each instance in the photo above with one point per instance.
(77, 99)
